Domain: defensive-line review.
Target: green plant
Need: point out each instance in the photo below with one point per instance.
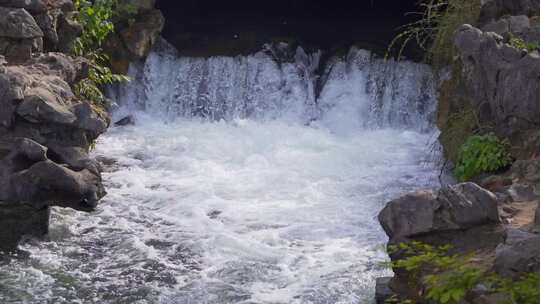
(447, 278)
(434, 29)
(526, 290)
(519, 43)
(97, 20)
(482, 154)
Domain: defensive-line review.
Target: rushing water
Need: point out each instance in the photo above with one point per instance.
(245, 180)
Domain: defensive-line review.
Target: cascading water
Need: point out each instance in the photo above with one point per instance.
(245, 180)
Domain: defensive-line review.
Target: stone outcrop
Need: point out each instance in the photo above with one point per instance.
(45, 130)
(19, 34)
(503, 81)
(463, 215)
(51, 23)
(519, 254)
(45, 133)
(132, 41)
(494, 9)
(458, 207)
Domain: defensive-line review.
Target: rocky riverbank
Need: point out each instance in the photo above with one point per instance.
(46, 131)
(497, 218)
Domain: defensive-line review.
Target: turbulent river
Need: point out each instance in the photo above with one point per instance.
(245, 180)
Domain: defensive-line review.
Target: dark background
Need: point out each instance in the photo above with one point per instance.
(205, 27)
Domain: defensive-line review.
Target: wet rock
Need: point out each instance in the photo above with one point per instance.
(19, 220)
(126, 121)
(45, 135)
(135, 41)
(456, 207)
(27, 175)
(141, 35)
(520, 253)
(383, 292)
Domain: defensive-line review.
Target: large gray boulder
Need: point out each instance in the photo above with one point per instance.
(502, 82)
(456, 207)
(19, 34)
(28, 175)
(519, 254)
(30, 183)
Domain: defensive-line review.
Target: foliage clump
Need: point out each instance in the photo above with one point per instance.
(434, 30)
(521, 44)
(448, 278)
(482, 154)
(96, 17)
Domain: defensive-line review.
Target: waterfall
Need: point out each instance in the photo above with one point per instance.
(251, 180)
(357, 90)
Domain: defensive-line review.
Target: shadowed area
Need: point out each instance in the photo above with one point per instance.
(205, 28)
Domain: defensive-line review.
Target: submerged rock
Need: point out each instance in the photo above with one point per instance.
(126, 121)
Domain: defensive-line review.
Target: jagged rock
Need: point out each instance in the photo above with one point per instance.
(27, 175)
(522, 193)
(142, 34)
(30, 183)
(42, 106)
(32, 6)
(19, 34)
(68, 31)
(502, 83)
(18, 24)
(526, 171)
(519, 254)
(135, 41)
(126, 121)
(515, 26)
(47, 23)
(40, 96)
(456, 207)
(494, 9)
(50, 166)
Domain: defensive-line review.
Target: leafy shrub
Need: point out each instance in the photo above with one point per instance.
(434, 31)
(524, 291)
(482, 154)
(96, 18)
(519, 43)
(448, 278)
